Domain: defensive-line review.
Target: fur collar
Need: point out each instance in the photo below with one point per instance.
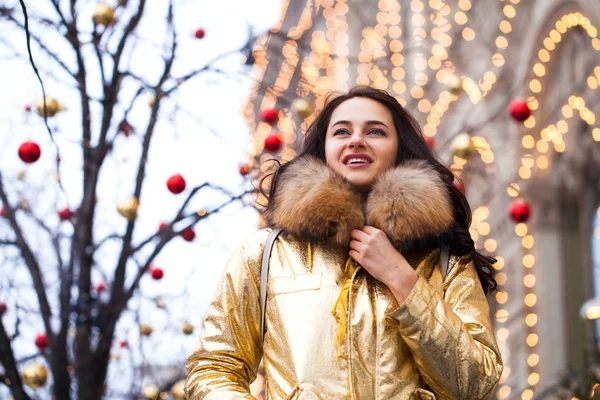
(410, 203)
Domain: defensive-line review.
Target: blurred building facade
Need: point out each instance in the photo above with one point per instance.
(456, 66)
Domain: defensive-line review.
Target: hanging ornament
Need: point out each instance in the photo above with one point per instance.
(104, 15)
(270, 116)
(53, 107)
(273, 142)
(454, 84)
(188, 234)
(3, 308)
(28, 108)
(187, 328)
(458, 183)
(101, 287)
(128, 208)
(301, 107)
(176, 184)
(519, 110)
(123, 344)
(162, 226)
(146, 329)
(21, 175)
(199, 33)
(2, 211)
(160, 303)
(157, 273)
(29, 152)
(125, 128)
(35, 375)
(519, 211)
(24, 205)
(41, 341)
(151, 392)
(177, 390)
(462, 144)
(245, 169)
(430, 142)
(65, 214)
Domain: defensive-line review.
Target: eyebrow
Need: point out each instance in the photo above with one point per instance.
(370, 122)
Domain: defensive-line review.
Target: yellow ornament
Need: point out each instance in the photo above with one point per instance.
(146, 329)
(35, 375)
(128, 208)
(104, 15)
(177, 390)
(21, 175)
(187, 328)
(301, 107)
(53, 107)
(454, 84)
(463, 146)
(160, 303)
(24, 205)
(151, 392)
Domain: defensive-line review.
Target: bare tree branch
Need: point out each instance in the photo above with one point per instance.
(11, 378)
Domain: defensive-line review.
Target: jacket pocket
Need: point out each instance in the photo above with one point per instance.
(291, 284)
(422, 394)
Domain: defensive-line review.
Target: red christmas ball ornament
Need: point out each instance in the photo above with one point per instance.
(199, 33)
(3, 308)
(430, 142)
(188, 234)
(65, 214)
(2, 211)
(176, 184)
(125, 128)
(520, 211)
(245, 169)
(273, 142)
(162, 226)
(457, 183)
(101, 287)
(123, 344)
(28, 108)
(270, 116)
(157, 273)
(29, 152)
(519, 110)
(41, 341)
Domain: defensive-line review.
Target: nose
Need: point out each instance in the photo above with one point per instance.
(357, 140)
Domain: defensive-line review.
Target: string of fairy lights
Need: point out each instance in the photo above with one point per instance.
(326, 68)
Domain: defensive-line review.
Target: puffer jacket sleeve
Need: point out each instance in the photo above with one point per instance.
(451, 336)
(229, 349)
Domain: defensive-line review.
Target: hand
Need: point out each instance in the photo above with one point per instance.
(374, 251)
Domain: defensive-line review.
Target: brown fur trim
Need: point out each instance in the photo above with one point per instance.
(410, 202)
(313, 202)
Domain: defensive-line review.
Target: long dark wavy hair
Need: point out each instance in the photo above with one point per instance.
(413, 147)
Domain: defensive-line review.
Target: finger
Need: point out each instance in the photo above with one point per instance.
(359, 235)
(370, 230)
(356, 255)
(356, 245)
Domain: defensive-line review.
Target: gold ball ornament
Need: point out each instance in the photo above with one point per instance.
(301, 107)
(146, 330)
(454, 84)
(53, 107)
(187, 328)
(21, 175)
(35, 375)
(128, 208)
(151, 392)
(462, 144)
(160, 303)
(104, 15)
(177, 390)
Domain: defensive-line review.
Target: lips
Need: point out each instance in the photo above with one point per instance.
(357, 159)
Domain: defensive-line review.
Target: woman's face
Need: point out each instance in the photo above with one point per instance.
(361, 141)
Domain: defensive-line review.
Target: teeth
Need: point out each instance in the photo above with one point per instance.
(357, 160)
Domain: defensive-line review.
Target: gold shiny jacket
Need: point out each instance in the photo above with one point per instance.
(438, 344)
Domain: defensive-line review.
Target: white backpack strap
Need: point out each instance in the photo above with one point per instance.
(264, 276)
(445, 260)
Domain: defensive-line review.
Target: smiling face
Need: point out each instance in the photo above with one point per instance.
(361, 141)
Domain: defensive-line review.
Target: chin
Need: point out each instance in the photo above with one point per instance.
(361, 185)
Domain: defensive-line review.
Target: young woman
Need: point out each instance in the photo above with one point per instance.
(358, 306)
